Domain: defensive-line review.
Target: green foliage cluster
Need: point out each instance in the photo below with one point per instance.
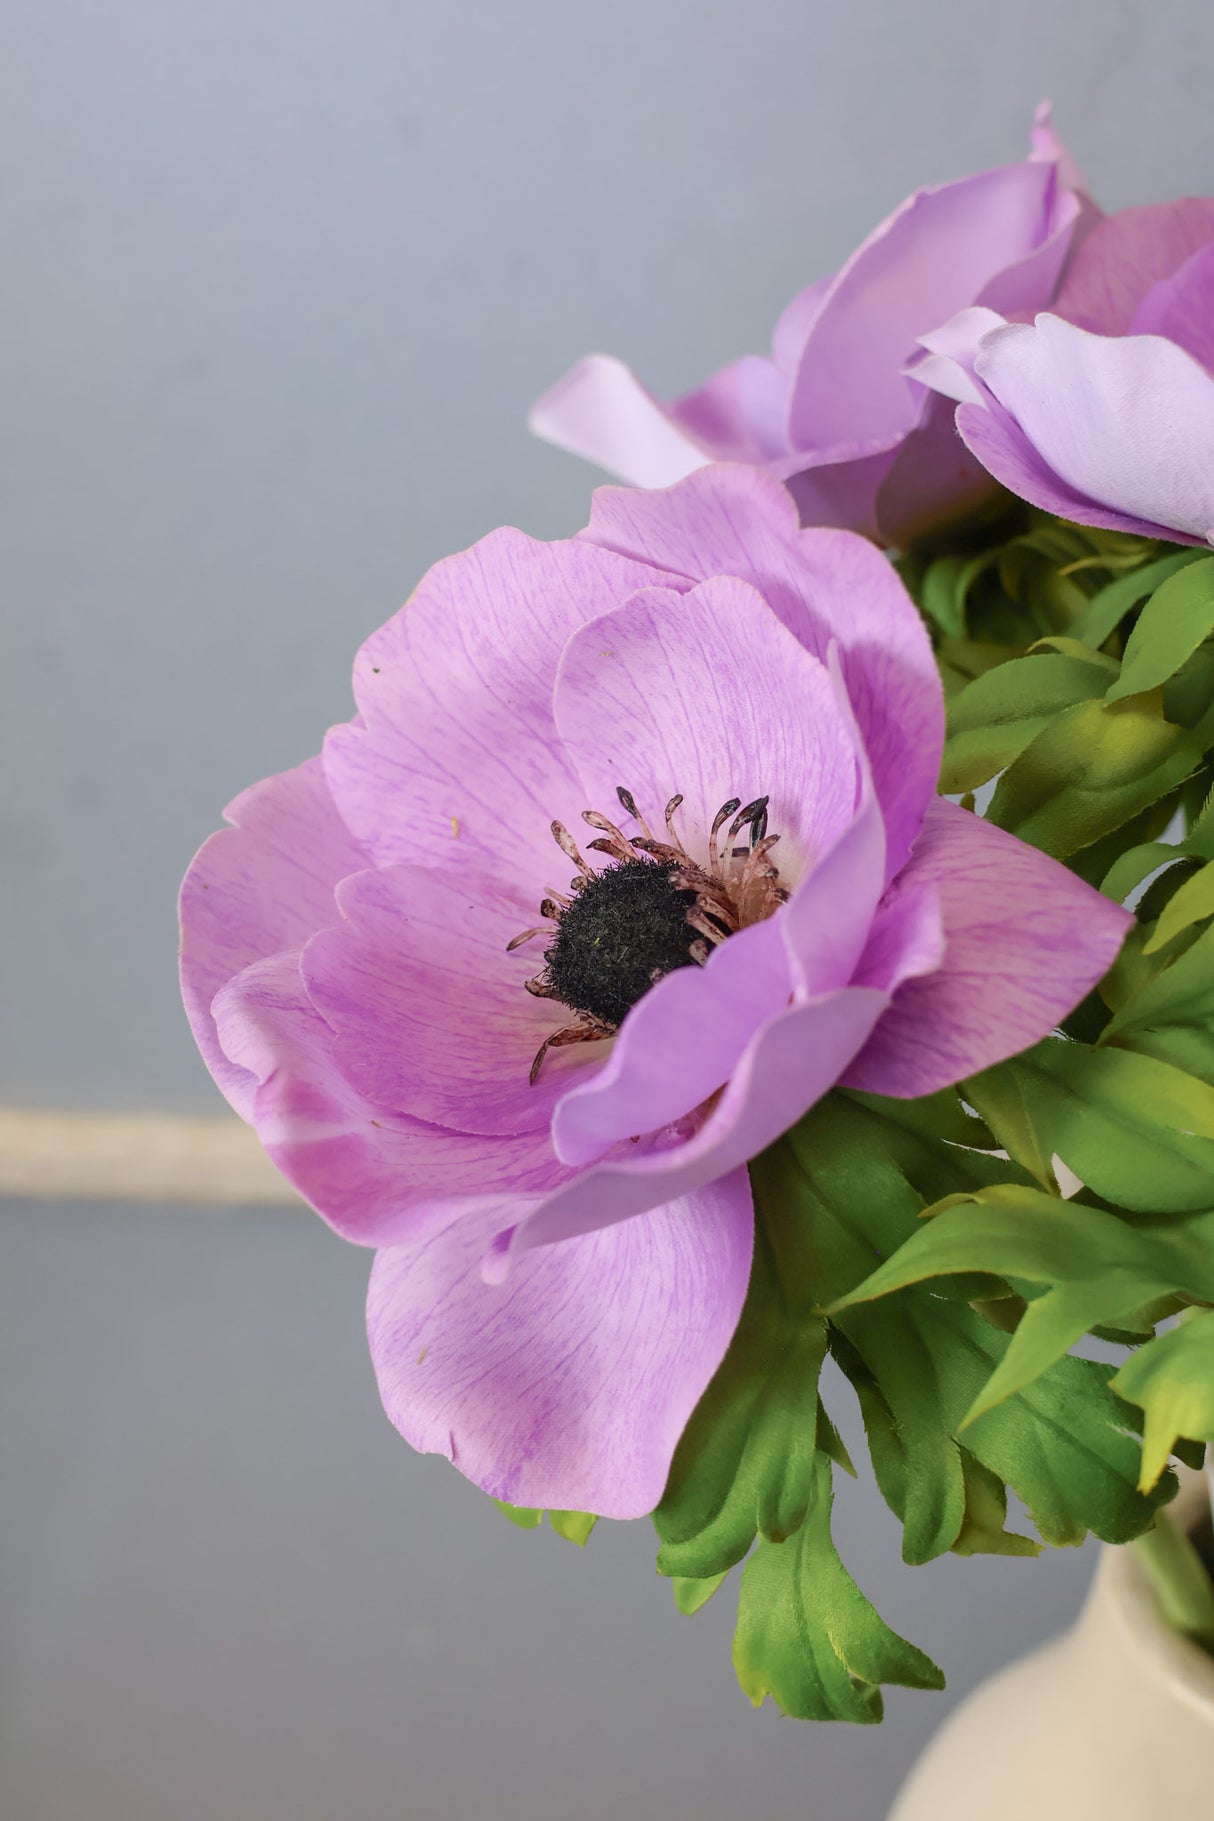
(928, 1247)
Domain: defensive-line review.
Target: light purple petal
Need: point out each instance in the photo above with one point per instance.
(933, 481)
(376, 1176)
(458, 754)
(826, 586)
(255, 889)
(1126, 422)
(797, 319)
(739, 415)
(707, 694)
(569, 1385)
(1025, 942)
(932, 257)
(601, 411)
(677, 1046)
(825, 923)
(1181, 308)
(429, 1013)
(793, 1061)
(1125, 255)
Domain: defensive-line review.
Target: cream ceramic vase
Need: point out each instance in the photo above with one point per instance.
(1113, 1722)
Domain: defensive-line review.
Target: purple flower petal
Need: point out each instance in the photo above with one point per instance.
(375, 1175)
(1124, 422)
(677, 1046)
(789, 1065)
(1181, 308)
(826, 586)
(1125, 255)
(458, 754)
(569, 1385)
(601, 411)
(739, 415)
(1025, 941)
(255, 889)
(708, 695)
(429, 1013)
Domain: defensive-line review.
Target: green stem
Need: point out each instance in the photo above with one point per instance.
(1180, 1580)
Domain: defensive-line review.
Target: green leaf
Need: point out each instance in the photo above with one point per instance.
(522, 1515)
(1192, 903)
(984, 1531)
(1174, 622)
(1098, 1269)
(1170, 1020)
(1136, 1129)
(1136, 864)
(1091, 769)
(1104, 613)
(574, 1526)
(690, 1594)
(809, 1638)
(995, 717)
(1172, 1378)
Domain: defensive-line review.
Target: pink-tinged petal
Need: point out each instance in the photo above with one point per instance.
(826, 586)
(740, 414)
(569, 1385)
(950, 351)
(1181, 308)
(1126, 422)
(708, 695)
(374, 1175)
(602, 412)
(998, 442)
(928, 260)
(906, 937)
(840, 493)
(793, 329)
(677, 1046)
(1025, 941)
(429, 1013)
(1126, 255)
(793, 1061)
(457, 754)
(825, 923)
(252, 890)
(932, 481)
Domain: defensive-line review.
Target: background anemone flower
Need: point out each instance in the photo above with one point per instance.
(727, 730)
(1101, 411)
(832, 412)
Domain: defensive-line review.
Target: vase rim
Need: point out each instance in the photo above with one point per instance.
(1185, 1668)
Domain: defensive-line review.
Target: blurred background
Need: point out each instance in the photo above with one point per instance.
(283, 278)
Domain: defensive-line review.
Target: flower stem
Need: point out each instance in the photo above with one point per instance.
(1180, 1579)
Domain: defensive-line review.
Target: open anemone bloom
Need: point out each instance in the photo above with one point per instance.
(1101, 411)
(629, 856)
(832, 413)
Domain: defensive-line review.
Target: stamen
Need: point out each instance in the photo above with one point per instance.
(621, 840)
(518, 941)
(670, 809)
(722, 816)
(567, 845)
(629, 803)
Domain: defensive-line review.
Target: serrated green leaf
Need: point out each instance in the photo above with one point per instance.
(1174, 622)
(1136, 1129)
(1091, 769)
(808, 1638)
(1136, 864)
(1172, 1379)
(993, 719)
(1106, 610)
(984, 1531)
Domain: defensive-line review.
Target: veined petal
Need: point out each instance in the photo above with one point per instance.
(568, 1385)
(826, 586)
(1127, 254)
(375, 1175)
(255, 889)
(456, 754)
(1025, 941)
(1181, 308)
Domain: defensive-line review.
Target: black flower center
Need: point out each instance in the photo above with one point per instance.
(626, 929)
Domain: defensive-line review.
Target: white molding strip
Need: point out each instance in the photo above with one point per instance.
(59, 1155)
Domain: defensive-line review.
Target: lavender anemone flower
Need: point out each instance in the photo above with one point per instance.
(1101, 411)
(631, 853)
(832, 413)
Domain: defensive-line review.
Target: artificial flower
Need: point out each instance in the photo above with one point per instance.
(832, 412)
(1101, 410)
(631, 853)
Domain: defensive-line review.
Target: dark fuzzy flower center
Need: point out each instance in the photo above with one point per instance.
(625, 929)
(651, 909)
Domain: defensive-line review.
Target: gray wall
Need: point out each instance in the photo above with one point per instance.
(284, 277)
